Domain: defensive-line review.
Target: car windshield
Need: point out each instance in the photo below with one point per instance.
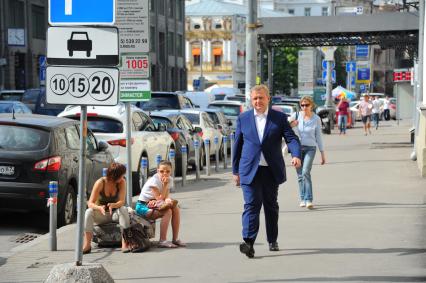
(162, 120)
(10, 96)
(194, 118)
(170, 102)
(228, 110)
(22, 138)
(6, 107)
(103, 125)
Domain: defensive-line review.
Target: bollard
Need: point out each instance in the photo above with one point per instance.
(172, 155)
(52, 202)
(207, 150)
(232, 145)
(144, 166)
(225, 152)
(216, 159)
(184, 151)
(197, 159)
(158, 159)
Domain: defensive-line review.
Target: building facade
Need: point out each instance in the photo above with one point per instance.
(23, 27)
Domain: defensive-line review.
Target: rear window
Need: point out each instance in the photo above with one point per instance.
(228, 110)
(30, 96)
(194, 118)
(169, 102)
(11, 96)
(236, 98)
(102, 125)
(22, 138)
(214, 117)
(6, 107)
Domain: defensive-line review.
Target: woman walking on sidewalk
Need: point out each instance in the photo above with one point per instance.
(309, 127)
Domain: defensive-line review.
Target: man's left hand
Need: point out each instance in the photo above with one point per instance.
(296, 162)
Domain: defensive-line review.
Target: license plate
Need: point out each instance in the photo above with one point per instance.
(7, 170)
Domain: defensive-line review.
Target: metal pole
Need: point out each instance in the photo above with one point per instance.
(53, 213)
(207, 150)
(184, 151)
(232, 145)
(329, 100)
(172, 155)
(129, 190)
(216, 159)
(225, 152)
(348, 74)
(270, 69)
(197, 159)
(144, 166)
(81, 198)
(251, 46)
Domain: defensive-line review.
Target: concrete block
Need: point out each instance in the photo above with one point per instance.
(86, 273)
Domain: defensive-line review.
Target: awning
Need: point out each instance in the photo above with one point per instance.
(217, 51)
(196, 51)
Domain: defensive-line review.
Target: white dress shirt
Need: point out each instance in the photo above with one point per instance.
(260, 119)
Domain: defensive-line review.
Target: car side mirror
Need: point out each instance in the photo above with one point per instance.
(229, 123)
(102, 146)
(197, 130)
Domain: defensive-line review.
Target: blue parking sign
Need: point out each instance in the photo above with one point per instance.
(350, 66)
(81, 12)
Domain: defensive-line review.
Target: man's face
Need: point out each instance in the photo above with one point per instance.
(260, 100)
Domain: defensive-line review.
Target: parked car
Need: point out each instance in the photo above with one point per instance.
(108, 123)
(166, 100)
(183, 133)
(288, 109)
(7, 106)
(201, 119)
(200, 99)
(220, 121)
(35, 99)
(11, 94)
(37, 149)
(220, 93)
(231, 109)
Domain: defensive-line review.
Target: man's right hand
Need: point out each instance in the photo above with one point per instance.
(237, 180)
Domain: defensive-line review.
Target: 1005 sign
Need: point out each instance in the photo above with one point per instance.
(99, 85)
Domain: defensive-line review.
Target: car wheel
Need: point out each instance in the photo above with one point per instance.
(69, 209)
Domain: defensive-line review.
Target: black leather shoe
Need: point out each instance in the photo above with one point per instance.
(247, 249)
(273, 247)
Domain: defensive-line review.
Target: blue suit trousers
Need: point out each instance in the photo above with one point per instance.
(261, 191)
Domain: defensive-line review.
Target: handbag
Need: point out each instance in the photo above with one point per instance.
(136, 238)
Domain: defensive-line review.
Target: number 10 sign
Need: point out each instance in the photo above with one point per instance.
(82, 86)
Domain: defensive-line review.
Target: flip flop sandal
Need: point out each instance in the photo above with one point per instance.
(166, 244)
(179, 243)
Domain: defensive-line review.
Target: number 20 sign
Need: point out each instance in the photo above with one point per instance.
(82, 86)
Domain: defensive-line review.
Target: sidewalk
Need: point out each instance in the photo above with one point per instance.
(368, 225)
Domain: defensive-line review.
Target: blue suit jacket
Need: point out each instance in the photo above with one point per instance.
(247, 147)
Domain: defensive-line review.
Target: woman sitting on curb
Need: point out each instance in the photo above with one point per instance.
(154, 203)
(106, 204)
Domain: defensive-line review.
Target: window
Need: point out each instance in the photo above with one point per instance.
(324, 11)
(217, 26)
(152, 5)
(197, 26)
(179, 44)
(170, 8)
(217, 53)
(207, 121)
(170, 43)
(160, 6)
(38, 23)
(179, 12)
(196, 55)
(307, 12)
(91, 142)
(162, 48)
(291, 11)
(73, 139)
(16, 18)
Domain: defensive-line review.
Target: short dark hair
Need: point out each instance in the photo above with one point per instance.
(164, 162)
(115, 171)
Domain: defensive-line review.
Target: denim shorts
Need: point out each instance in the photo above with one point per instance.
(365, 119)
(142, 208)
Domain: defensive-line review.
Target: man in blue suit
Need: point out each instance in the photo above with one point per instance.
(258, 165)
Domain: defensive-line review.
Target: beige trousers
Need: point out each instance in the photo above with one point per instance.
(93, 217)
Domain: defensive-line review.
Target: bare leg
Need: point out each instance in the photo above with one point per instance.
(123, 244)
(175, 222)
(87, 241)
(164, 225)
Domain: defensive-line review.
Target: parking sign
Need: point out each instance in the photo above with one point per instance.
(81, 12)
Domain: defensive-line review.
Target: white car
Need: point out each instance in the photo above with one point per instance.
(231, 109)
(201, 119)
(108, 123)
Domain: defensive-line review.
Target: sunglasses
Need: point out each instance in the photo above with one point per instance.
(305, 105)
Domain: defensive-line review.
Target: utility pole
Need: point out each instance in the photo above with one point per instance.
(251, 47)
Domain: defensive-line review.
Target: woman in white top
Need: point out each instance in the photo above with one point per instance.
(309, 128)
(154, 202)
